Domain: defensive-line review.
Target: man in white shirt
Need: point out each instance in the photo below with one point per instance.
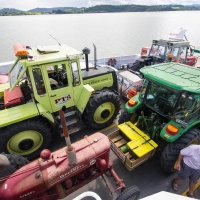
(188, 166)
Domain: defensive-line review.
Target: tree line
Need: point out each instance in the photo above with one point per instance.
(103, 9)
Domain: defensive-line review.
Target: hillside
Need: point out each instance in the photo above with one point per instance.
(100, 9)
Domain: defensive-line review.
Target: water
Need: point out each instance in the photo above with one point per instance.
(114, 34)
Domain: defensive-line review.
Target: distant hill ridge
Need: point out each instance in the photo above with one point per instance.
(105, 8)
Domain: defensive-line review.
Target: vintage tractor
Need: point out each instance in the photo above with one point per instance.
(58, 174)
(174, 49)
(41, 81)
(164, 116)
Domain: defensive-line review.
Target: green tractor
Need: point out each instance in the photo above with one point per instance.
(167, 111)
(41, 81)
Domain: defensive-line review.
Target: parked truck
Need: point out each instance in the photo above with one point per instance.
(165, 116)
(41, 81)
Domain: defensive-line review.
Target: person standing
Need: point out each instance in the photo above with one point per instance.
(188, 166)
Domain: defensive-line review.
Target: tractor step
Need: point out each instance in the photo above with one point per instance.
(71, 113)
(72, 121)
(73, 130)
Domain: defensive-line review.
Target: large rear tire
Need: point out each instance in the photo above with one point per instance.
(27, 138)
(172, 150)
(131, 193)
(102, 108)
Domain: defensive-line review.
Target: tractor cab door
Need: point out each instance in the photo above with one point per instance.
(58, 84)
(63, 84)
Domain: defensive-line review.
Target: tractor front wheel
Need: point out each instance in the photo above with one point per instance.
(27, 138)
(170, 153)
(131, 193)
(102, 108)
(125, 116)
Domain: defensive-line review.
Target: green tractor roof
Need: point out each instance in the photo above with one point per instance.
(174, 75)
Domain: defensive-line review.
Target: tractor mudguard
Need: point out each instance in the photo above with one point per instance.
(132, 109)
(45, 113)
(84, 97)
(182, 129)
(18, 113)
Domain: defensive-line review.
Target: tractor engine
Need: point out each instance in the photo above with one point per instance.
(20, 95)
(151, 123)
(52, 177)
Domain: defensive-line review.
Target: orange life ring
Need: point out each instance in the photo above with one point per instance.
(112, 62)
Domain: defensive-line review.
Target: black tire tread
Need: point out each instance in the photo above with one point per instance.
(172, 150)
(124, 116)
(16, 161)
(128, 193)
(96, 100)
(39, 124)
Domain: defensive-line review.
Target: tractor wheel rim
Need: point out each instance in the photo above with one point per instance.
(104, 112)
(25, 142)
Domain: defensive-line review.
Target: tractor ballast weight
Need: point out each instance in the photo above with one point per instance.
(53, 177)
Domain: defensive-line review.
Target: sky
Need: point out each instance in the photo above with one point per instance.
(30, 4)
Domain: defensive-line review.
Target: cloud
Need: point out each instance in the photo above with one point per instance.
(30, 4)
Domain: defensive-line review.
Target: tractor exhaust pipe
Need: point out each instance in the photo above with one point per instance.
(70, 150)
(86, 51)
(95, 56)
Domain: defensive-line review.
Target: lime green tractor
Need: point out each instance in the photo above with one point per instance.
(41, 81)
(165, 116)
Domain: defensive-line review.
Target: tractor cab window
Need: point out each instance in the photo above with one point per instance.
(39, 81)
(75, 74)
(183, 54)
(158, 51)
(57, 76)
(15, 73)
(143, 89)
(160, 99)
(188, 107)
(178, 54)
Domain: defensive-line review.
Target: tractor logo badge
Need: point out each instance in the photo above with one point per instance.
(92, 162)
(62, 100)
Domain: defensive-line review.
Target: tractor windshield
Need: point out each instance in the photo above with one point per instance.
(160, 99)
(178, 54)
(181, 106)
(158, 51)
(16, 72)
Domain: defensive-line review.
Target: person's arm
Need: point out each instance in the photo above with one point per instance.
(178, 164)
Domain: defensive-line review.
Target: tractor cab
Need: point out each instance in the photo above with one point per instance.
(173, 49)
(177, 105)
(169, 50)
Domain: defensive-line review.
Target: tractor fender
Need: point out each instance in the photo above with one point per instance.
(18, 114)
(183, 128)
(45, 113)
(84, 97)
